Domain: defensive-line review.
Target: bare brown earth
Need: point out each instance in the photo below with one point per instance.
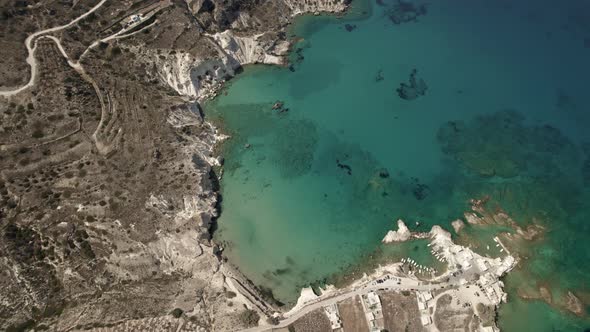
(316, 321)
(107, 193)
(451, 315)
(20, 18)
(400, 312)
(352, 314)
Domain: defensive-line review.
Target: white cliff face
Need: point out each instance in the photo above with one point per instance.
(192, 77)
(247, 50)
(175, 71)
(200, 79)
(402, 234)
(312, 6)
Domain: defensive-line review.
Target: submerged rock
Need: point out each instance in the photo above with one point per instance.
(457, 225)
(415, 88)
(405, 11)
(574, 304)
(349, 27)
(500, 144)
(294, 157)
(344, 166)
(379, 77)
(278, 105)
(419, 190)
(384, 174)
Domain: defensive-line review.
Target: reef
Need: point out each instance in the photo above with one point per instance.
(349, 27)
(404, 11)
(523, 242)
(345, 167)
(500, 144)
(413, 90)
(295, 158)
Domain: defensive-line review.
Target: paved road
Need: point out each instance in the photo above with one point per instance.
(389, 284)
(31, 44)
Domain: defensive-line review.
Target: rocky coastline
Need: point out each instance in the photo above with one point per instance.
(200, 80)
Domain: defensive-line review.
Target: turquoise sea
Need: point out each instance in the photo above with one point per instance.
(502, 109)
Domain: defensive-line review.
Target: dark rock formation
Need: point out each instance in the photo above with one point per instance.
(349, 27)
(379, 77)
(344, 166)
(405, 11)
(500, 144)
(419, 190)
(416, 88)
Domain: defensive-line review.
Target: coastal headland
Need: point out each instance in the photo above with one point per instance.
(111, 173)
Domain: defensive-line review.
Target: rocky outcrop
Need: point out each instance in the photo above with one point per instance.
(574, 304)
(253, 36)
(252, 49)
(402, 234)
(457, 225)
(313, 6)
(256, 15)
(414, 89)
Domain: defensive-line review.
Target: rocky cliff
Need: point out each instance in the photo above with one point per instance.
(107, 188)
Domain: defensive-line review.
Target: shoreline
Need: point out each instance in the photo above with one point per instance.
(486, 273)
(219, 147)
(249, 294)
(253, 296)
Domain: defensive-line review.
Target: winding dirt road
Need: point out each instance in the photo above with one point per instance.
(31, 44)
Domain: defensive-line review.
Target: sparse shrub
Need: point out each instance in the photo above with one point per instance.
(37, 133)
(176, 313)
(249, 317)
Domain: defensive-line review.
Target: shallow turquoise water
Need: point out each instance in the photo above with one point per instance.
(292, 213)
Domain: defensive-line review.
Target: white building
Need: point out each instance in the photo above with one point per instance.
(334, 316)
(425, 320)
(373, 311)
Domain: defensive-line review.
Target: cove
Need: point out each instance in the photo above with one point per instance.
(309, 192)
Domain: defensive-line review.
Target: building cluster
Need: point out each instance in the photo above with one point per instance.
(492, 287)
(424, 303)
(373, 311)
(334, 317)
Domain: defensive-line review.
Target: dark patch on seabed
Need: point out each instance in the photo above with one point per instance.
(415, 88)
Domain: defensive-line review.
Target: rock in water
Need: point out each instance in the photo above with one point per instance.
(574, 304)
(458, 225)
(415, 89)
(402, 234)
(349, 27)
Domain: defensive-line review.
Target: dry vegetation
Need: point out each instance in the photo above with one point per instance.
(352, 314)
(452, 315)
(400, 312)
(107, 196)
(315, 321)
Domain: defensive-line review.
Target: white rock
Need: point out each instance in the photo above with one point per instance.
(458, 225)
(402, 234)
